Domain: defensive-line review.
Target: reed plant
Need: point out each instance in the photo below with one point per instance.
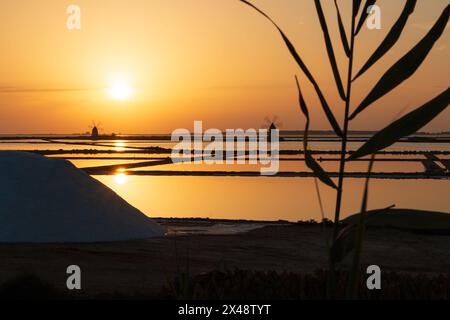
(348, 239)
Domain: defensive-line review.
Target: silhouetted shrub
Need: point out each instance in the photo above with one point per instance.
(259, 285)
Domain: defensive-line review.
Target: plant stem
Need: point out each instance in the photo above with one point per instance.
(352, 289)
(337, 213)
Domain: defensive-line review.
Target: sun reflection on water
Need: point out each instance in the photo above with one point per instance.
(119, 146)
(120, 177)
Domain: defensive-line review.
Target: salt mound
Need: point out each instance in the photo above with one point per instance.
(50, 200)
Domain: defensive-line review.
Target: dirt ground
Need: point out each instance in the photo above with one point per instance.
(148, 265)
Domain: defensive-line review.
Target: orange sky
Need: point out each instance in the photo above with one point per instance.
(211, 60)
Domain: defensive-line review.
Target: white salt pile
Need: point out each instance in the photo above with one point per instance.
(49, 200)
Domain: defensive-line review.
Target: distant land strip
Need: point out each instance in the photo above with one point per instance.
(235, 158)
(158, 150)
(288, 135)
(89, 141)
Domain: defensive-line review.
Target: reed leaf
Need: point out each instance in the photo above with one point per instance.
(391, 38)
(407, 65)
(342, 31)
(309, 159)
(364, 15)
(366, 185)
(330, 50)
(356, 5)
(345, 241)
(318, 171)
(330, 116)
(405, 126)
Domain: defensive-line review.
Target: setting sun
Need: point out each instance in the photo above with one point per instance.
(120, 90)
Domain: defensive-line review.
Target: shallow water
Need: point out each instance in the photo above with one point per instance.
(122, 145)
(255, 198)
(260, 198)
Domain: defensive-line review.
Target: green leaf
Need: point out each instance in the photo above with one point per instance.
(346, 240)
(330, 51)
(391, 38)
(342, 31)
(309, 160)
(405, 126)
(330, 116)
(407, 65)
(364, 15)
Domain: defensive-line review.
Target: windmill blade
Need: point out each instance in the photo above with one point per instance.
(266, 123)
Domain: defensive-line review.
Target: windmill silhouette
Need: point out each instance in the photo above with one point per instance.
(95, 129)
(271, 123)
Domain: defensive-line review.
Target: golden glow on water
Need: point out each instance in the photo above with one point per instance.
(119, 146)
(95, 163)
(120, 177)
(258, 198)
